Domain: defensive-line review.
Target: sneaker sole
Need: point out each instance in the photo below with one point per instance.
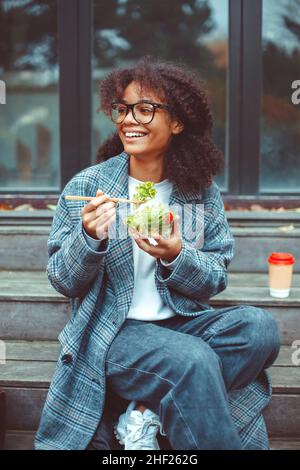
(118, 437)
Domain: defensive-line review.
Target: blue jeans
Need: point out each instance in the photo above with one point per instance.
(182, 368)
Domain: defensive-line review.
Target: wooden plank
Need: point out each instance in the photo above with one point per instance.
(285, 357)
(251, 253)
(17, 350)
(17, 276)
(286, 380)
(26, 374)
(264, 215)
(255, 295)
(19, 440)
(31, 309)
(239, 228)
(32, 350)
(24, 407)
(267, 231)
(45, 320)
(255, 279)
(33, 320)
(28, 292)
(27, 286)
(288, 323)
(25, 230)
(23, 251)
(25, 247)
(282, 416)
(24, 440)
(285, 444)
(28, 357)
(38, 373)
(24, 285)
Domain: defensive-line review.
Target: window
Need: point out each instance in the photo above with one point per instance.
(54, 53)
(280, 124)
(29, 122)
(195, 32)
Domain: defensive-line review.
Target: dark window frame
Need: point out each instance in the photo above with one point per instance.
(244, 108)
(244, 91)
(75, 50)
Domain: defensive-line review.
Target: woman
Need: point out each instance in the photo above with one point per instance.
(141, 325)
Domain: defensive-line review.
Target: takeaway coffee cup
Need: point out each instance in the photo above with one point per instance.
(280, 274)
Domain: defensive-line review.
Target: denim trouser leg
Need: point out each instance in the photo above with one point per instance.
(182, 368)
(245, 338)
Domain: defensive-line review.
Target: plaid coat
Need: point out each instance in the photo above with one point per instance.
(100, 286)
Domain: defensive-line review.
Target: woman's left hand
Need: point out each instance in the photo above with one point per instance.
(166, 249)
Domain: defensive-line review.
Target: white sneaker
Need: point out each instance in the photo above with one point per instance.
(136, 430)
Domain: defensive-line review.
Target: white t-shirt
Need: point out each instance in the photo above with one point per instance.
(147, 303)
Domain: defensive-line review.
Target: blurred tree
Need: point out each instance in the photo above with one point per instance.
(290, 18)
(172, 29)
(28, 34)
(280, 166)
(279, 56)
(179, 30)
(277, 59)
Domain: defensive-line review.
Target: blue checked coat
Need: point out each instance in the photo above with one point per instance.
(100, 286)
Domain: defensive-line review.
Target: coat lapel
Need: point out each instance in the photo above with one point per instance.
(120, 261)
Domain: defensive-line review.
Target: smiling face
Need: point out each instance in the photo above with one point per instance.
(154, 137)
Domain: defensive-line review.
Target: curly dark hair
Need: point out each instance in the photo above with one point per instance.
(192, 158)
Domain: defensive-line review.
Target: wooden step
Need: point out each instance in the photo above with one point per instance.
(29, 368)
(252, 289)
(24, 247)
(19, 440)
(262, 241)
(30, 309)
(24, 440)
(29, 306)
(285, 444)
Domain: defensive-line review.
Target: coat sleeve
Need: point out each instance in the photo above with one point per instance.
(202, 273)
(72, 263)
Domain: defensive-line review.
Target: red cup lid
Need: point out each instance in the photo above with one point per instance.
(281, 258)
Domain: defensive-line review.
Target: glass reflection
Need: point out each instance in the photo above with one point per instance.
(280, 127)
(29, 127)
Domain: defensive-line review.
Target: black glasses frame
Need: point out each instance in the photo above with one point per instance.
(131, 107)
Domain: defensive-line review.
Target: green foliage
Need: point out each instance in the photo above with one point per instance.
(171, 29)
(26, 29)
(145, 191)
(149, 218)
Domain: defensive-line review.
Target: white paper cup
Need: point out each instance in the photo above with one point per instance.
(280, 274)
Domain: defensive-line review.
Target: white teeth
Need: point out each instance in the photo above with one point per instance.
(134, 134)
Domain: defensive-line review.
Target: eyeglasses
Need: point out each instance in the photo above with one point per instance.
(143, 111)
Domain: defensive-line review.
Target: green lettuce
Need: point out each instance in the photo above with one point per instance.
(145, 191)
(149, 218)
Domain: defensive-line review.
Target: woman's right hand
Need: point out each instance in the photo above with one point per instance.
(98, 215)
